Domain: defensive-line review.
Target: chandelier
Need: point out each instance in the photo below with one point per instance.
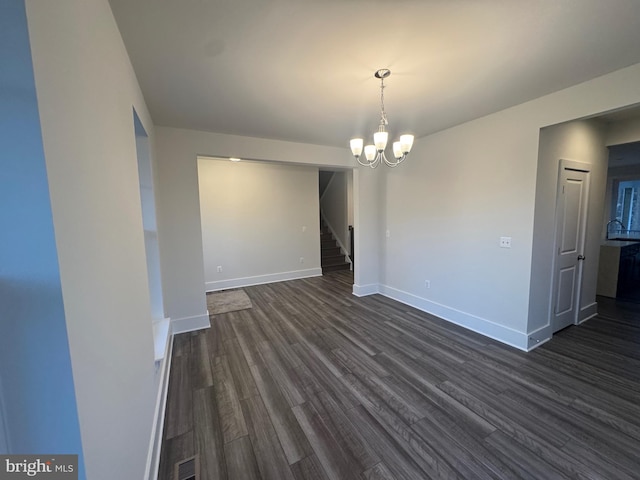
(374, 154)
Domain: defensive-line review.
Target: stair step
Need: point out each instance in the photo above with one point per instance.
(328, 244)
(332, 260)
(333, 268)
(330, 250)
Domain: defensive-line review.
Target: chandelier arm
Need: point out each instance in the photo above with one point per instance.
(400, 160)
(390, 163)
(362, 163)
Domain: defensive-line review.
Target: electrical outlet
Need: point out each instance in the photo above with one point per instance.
(304, 228)
(301, 259)
(219, 269)
(427, 284)
(388, 233)
(505, 242)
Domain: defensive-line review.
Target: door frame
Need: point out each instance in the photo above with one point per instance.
(585, 167)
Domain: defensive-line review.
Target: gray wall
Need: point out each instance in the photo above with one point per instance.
(37, 396)
(258, 220)
(87, 91)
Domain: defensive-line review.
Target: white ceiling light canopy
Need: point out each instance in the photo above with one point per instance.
(374, 154)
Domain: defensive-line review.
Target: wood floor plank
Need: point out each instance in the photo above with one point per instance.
(294, 443)
(466, 454)
(215, 343)
(201, 375)
(182, 344)
(240, 371)
(270, 458)
(406, 409)
(393, 451)
(522, 426)
(248, 335)
(378, 472)
(309, 468)
(347, 437)
(585, 432)
(179, 418)
(208, 434)
(337, 463)
(438, 397)
(240, 460)
(284, 375)
(232, 420)
(421, 452)
(523, 462)
(325, 378)
(226, 325)
(175, 450)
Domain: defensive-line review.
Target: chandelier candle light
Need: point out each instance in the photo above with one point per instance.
(375, 153)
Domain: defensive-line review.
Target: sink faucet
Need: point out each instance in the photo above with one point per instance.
(615, 220)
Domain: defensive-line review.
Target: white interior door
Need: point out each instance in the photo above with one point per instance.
(571, 219)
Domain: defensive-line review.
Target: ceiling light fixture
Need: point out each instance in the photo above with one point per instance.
(234, 159)
(375, 153)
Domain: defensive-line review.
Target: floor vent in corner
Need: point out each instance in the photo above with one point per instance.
(188, 469)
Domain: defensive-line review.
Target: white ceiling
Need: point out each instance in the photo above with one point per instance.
(302, 70)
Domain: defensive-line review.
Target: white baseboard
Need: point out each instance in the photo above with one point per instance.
(157, 430)
(479, 325)
(588, 312)
(364, 290)
(190, 324)
(539, 337)
(261, 279)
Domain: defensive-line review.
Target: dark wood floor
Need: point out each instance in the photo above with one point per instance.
(314, 383)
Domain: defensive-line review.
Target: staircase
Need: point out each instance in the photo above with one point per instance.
(332, 258)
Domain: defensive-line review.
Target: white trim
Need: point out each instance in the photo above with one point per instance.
(587, 313)
(189, 324)
(479, 325)
(364, 290)
(343, 249)
(5, 443)
(565, 164)
(160, 337)
(539, 337)
(261, 279)
(157, 430)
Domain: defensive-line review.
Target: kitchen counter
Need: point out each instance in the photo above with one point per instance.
(617, 267)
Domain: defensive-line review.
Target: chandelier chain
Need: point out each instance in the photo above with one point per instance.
(383, 115)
